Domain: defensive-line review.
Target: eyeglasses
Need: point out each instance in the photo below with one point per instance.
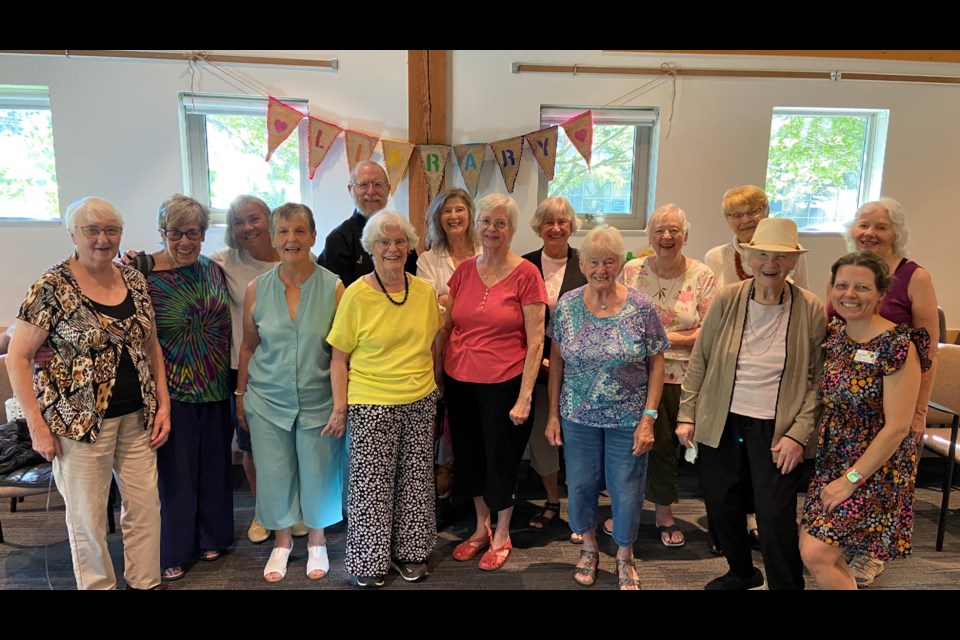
(365, 186)
(385, 244)
(92, 231)
(673, 231)
(173, 234)
(499, 224)
(753, 213)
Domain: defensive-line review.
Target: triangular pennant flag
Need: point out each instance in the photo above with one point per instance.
(433, 157)
(322, 135)
(359, 147)
(470, 161)
(580, 131)
(507, 154)
(282, 120)
(396, 156)
(543, 143)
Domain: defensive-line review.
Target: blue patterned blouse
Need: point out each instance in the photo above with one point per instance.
(605, 359)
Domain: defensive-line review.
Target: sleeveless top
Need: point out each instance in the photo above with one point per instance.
(290, 369)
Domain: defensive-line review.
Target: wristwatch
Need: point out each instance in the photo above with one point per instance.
(653, 413)
(855, 477)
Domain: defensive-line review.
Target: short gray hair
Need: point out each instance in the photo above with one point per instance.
(79, 211)
(499, 201)
(239, 204)
(555, 206)
(663, 210)
(601, 241)
(376, 226)
(178, 210)
(901, 232)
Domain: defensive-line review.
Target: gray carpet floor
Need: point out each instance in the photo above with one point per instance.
(36, 553)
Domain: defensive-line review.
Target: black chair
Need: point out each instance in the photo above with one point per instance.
(940, 438)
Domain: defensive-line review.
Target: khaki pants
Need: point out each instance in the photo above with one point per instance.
(83, 478)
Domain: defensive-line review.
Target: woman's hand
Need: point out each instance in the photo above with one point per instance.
(241, 414)
(685, 431)
(835, 493)
(43, 355)
(553, 432)
(643, 436)
(917, 428)
(337, 424)
(161, 427)
(520, 412)
(787, 454)
(44, 442)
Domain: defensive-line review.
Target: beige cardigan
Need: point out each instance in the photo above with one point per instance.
(708, 385)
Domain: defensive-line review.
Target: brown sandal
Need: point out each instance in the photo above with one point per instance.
(587, 576)
(625, 583)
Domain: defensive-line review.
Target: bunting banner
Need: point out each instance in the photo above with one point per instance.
(396, 156)
(359, 147)
(322, 134)
(282, 120)
(580, 131)
(434, 160)
(543, 143)
(470, 161)
(507, 153)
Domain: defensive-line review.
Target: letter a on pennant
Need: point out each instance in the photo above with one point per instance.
(359, 147)
(434, 160)
(322, 135)
(470, 161)
(507, 153)
(396, 156)
(580, 131)
(543, 143)
(282, 120)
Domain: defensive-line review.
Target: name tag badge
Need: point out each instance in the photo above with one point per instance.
(870, 357)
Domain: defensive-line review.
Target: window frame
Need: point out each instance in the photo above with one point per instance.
(193, 109)
(873, 152)
(646, 123)
(32, 98)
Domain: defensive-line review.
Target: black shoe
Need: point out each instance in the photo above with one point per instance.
(754, 538)
(712, 547)
(732, 582)
(410, 571)
(369, 581)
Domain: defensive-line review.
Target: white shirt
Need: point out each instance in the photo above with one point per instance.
(763, 354)
(240, 268)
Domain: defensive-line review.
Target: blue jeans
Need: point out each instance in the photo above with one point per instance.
(592, 455)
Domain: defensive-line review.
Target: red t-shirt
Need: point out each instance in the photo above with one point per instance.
(488, 343)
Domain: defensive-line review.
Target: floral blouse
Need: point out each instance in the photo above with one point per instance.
(74, 388)
(681, 302)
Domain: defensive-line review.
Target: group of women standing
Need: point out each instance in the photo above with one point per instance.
(638, 356)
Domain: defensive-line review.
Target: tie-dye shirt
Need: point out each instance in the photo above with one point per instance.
(605, 359)
(192, 307)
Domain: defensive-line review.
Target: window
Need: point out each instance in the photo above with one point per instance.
(824, 163)
(619, 187)
(28, 173)
(225, 138)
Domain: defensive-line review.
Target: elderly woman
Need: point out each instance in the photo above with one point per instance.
(606, 376)
(249, 253)
(881, 227)
(384, 331)
(494, 344)
(100, 403)
(190, 299)
(284, 396)
(681, 290)
(553, 221)
(758, 355)
(861, 495)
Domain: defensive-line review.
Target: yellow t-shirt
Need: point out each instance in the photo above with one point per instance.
(389, 345)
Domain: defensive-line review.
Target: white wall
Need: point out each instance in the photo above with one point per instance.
(720, 135)
(117, 135)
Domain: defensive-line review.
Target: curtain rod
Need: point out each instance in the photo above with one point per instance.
(576, 69)
(180, 57)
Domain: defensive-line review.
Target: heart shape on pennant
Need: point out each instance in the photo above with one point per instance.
(280, 126)
(580, 135)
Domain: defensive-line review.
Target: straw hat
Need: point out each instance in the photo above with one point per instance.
(776, 234)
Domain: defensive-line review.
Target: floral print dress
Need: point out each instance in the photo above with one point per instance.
(878, 518)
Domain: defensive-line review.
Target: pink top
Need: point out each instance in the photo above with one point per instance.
(488, 343)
